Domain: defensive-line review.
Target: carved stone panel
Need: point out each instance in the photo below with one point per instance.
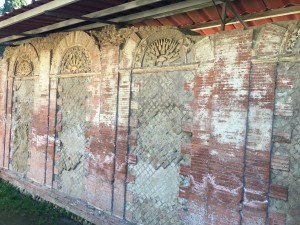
(292, 40)
(23, 96)
(75, 60)
(163, 49)
(24, 67)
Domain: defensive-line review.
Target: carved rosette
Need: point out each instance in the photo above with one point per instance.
(163, 49)
(75, 60)
(24, 67)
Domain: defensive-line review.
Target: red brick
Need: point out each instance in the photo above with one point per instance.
(130, 178)
(133, 140)
(184, 170)
(278, 192)
(286, 82)
(132, 159)
(183, 192)
(133, 123)
(186, 148)
(187, 127)
(282, 136)
(280, 163)
(283, 110)
(276, 218)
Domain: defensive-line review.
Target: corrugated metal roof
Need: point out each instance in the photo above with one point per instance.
(190, 18)
(242, 7)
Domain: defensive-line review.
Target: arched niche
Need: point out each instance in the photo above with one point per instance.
(77, 52)
(24, 62)
(163, 48)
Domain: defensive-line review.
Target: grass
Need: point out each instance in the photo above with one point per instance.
(12, 201)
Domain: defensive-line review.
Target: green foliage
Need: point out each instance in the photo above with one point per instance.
(13, 202)
(9, 5)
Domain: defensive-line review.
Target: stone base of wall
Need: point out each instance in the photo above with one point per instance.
(73, 205)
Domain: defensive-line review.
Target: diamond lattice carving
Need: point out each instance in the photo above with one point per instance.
(160, 114)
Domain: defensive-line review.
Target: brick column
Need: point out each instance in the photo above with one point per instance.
(228, 127)
(122, 158)
(51, 132)
(3, 75)
(260, 122)
(9, 88)
(258, 147)
(39, 136)
(196, 196)
(102, 150)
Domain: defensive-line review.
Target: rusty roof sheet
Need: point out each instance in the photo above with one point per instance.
(210, 14)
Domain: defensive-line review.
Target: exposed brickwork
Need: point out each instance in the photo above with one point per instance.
(101, 164)
(282, 136)
(74, 205)
(259, 142)
(278, 192)
(269, 41)
(260, 123)
(229, 115)
(51, 132)
(285, 154)
(183, 138)
(39, 142)
(3, 68)
(280, 163)
(277, 218)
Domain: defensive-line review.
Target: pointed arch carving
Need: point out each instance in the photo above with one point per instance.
(76, 53)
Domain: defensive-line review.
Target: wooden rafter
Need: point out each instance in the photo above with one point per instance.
(104, 12)
(35, 12)
(248, 18)
(152, 13)
(160, 12)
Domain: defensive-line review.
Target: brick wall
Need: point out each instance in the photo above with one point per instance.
(151, 126)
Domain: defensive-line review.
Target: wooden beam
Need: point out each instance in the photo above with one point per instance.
(248, 18)
(237, 15)
(156, 13)
(24, 35)
(101, 13)
(83, 18)
(35, 12)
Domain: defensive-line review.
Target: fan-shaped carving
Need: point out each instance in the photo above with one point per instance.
(164, 48)
(23, 67)
(162, 52)
(75, 60)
